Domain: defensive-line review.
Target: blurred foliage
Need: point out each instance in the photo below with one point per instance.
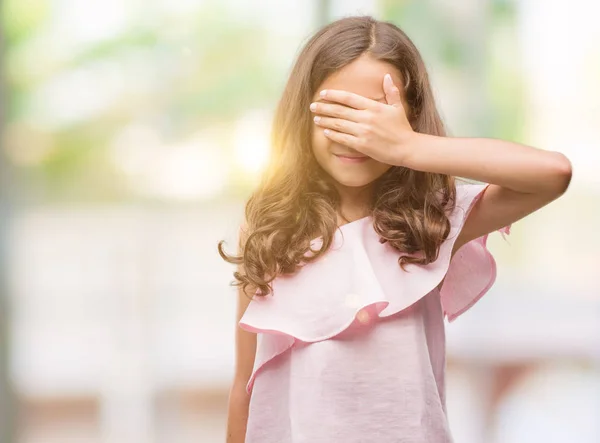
(504, 74)
(20, 19)
(483, 55)
(203, 69)
(180, 74)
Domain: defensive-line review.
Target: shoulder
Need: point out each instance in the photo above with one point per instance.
(467, 193)
(466, 196)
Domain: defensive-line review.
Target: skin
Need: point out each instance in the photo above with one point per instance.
(365, 115)
(353, 180)
(245, 350)
(522, 179)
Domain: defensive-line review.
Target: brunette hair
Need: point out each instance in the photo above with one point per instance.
(296, 201)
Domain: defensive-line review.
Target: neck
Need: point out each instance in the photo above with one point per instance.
(355, 202)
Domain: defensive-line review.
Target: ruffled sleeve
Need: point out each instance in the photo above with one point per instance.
(472, 270)
(359, 278)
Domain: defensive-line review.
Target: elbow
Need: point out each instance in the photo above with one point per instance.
(562, 172)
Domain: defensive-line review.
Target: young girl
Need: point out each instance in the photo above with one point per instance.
(358, 243)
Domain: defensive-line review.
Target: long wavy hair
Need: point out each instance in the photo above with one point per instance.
(296, 201)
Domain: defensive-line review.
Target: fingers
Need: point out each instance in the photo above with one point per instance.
(334, 110)
(349, 99)
(337, 124)
(392, 93)
(343, 139)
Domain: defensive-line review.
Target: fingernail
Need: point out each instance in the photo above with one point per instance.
(313, 106)
(388, 76)
(323, 93)
(316, 119)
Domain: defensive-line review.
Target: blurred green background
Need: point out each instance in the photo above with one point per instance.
(95, 92)
(131, 133)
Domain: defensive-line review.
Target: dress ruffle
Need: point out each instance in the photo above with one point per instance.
(360, 276)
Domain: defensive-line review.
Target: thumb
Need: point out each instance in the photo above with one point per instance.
(392, 93)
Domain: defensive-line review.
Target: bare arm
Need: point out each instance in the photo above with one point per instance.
(522, 179)
(239, 399)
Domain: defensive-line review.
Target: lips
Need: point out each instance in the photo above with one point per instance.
(351, 158)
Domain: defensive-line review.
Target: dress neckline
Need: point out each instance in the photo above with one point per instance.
(346, 226)
(353, 222)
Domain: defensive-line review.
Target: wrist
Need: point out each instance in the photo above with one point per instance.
(410, 149)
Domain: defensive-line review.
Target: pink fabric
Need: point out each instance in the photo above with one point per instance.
(352, 348)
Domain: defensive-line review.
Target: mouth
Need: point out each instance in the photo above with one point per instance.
(352, 158)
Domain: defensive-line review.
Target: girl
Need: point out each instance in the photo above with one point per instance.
(358, 243)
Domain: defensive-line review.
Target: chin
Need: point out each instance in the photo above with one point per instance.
(351, 174)
(354, 180)
(357, 176)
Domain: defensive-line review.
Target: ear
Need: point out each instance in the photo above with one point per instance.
(392, 93)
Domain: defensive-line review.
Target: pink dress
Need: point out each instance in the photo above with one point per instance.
(351, 349)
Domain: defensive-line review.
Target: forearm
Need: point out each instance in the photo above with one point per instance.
(514, 166)
(237, 414)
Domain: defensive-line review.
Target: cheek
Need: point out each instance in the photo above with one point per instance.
(320, 143)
